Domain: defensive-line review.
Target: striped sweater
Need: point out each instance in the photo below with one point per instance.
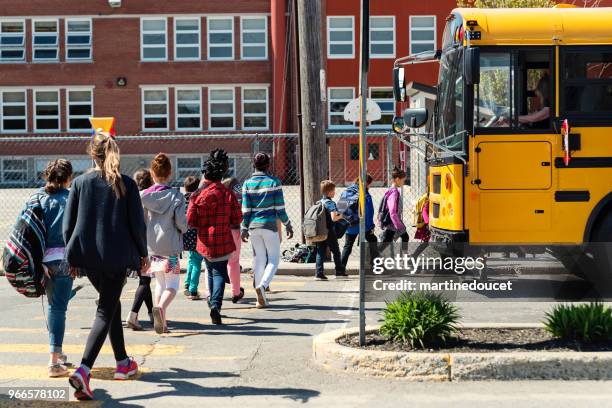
(263, 202)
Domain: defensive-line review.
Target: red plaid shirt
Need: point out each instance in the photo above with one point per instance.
(213, 210)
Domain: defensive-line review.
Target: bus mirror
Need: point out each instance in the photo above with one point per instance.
(415, 117)
(471, 66)
(399, 84)
(398, 125)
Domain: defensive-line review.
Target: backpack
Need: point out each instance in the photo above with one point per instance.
(300, 253)
(384, 217)
(348, 205)
(24, 251)
(315, 223)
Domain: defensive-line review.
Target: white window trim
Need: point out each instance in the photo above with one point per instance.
(211, 115)
(68, 104)
(2, 117)
(16, 183)
(144, 115)
(255, 115)
(352, 42)
(243, 31)
(199, 32)
(59, 110)
(329, 113)
(56, 46)
(435, 31)
(390, 99)
(184, 115)
(89, 46)
(372, 55)
(208, 32)
(23, 44)
(143, 46)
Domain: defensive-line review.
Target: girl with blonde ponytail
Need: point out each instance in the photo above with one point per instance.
(105, 237)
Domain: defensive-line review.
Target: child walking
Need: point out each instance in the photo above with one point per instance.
(328, 190)
(58, 282)
(165, 217)
(190, 240)
(143, 292)
(390, 212)
(233, 265)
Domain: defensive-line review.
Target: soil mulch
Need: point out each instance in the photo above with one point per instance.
(485, 340)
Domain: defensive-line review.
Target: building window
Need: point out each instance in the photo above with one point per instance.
(221, 108)
(80, 109)
(340, 37)
(384, 98)
(78, 40)
(422, 34)
(153, 39)
(12, 41)
(14, 112)
(382, 37)
(255, 108)
(46, 111)
(373, 151)
(45, 40)
(189, 109)
(155, 109)
(254, 35)
(14, 171)
(186, 39)
(338, 99)
(188, 166)
(79, 166)
(220, 38)
(354, 151)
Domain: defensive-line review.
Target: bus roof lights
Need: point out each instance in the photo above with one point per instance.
(471, 23)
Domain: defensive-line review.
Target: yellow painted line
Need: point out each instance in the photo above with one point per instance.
(47, 404)
(39, 372)
(137, 349)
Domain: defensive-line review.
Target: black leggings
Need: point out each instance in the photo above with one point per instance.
(108, 317)
(389, 237)
(143, 294)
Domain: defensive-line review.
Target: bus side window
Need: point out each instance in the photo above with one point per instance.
(493, 99)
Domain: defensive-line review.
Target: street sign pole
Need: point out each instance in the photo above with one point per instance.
(363, 89)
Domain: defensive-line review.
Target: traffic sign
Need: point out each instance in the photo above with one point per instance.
(352, 111)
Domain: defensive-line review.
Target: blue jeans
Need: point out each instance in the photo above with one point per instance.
(194, 268)
(58, 289)
(217, 275)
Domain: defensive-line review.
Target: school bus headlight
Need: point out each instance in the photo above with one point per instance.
(448, 182)
(450, 210)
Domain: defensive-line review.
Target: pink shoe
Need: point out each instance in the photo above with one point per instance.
(80, 382)
(124, 372)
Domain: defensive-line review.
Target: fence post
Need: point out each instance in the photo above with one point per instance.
(389, 157)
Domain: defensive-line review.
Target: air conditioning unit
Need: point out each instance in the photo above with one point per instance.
(114, 3)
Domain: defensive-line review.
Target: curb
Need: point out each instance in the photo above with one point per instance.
(436, 367)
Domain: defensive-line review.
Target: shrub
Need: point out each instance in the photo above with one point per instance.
(420, 319)
(585, 323)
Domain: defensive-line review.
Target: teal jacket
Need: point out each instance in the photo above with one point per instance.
(263, 202)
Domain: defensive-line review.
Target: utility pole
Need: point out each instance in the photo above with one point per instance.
(314, 149)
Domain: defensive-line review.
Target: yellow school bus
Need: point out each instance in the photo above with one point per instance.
(502, 168)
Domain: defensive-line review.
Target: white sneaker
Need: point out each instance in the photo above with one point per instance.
(57, 370)
(63, 360)
(262, 302)
(132, 322)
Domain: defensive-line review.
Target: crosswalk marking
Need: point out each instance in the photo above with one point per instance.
(39, 372)
(137, 349)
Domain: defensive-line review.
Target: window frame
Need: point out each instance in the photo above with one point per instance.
(55, 46)
(393, 41)
(68, 104)
(21, 47)
(329, 112)
(178, 115)
(143, 45)
(198, 32)
(208, 43)
(585, 119)
(2, 171)
(217, 115)
(79, 46)
(144, 115)
(330, 42)
(255, 115)
(179, 169)
(24, 104)
(35, 91)
(254, 45)
(373, 125)
(434, 28)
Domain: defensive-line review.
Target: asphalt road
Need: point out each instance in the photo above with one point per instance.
(259, 358)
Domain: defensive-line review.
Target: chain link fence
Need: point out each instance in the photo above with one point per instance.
(23, 159)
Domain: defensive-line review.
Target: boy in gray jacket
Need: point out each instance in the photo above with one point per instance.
(165, 216)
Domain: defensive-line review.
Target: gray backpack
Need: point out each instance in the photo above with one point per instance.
(315, 223)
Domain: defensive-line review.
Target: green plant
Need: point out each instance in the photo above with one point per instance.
(420, 319)
(585, 323)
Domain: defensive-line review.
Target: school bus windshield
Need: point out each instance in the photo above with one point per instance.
(449, 116)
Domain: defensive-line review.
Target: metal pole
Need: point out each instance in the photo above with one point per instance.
(363, 90)
(299, 120)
